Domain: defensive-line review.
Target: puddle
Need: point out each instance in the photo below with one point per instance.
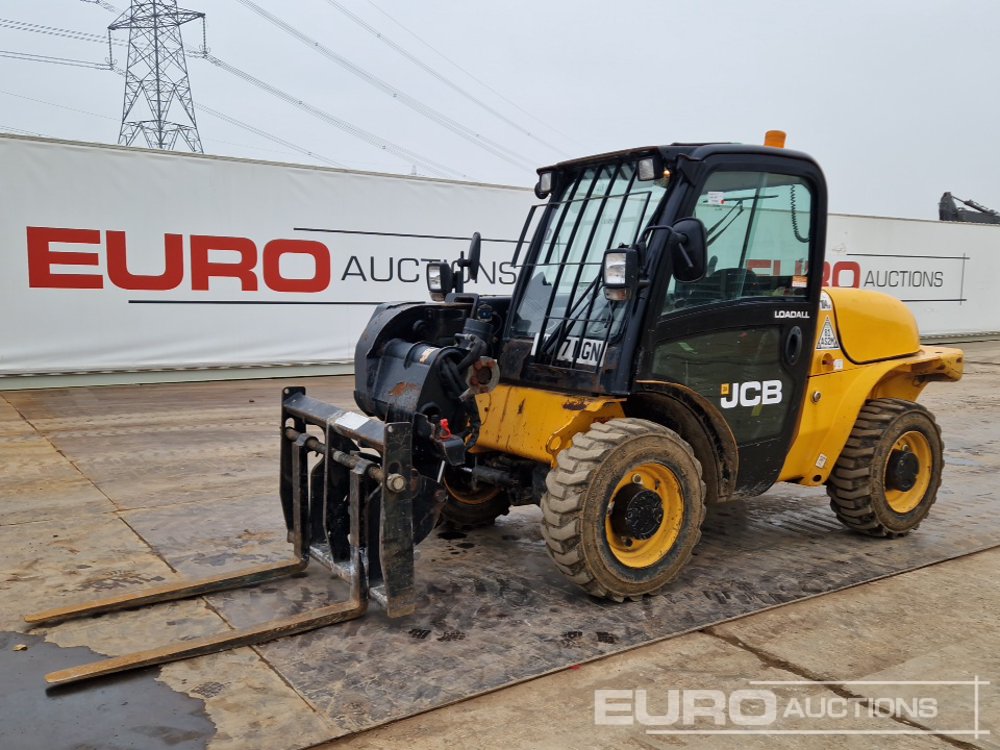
(960, 461)
(114, 713)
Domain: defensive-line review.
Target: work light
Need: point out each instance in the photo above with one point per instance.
(621, 273)
(439, 280)
(647, 168)
(544, 185)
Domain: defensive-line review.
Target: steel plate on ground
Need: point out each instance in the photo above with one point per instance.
(492, 610)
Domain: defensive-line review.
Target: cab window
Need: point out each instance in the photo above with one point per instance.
(759, 228)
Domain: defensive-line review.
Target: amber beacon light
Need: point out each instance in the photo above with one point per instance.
(774, 138)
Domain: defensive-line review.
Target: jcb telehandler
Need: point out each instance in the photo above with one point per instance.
(668, 344)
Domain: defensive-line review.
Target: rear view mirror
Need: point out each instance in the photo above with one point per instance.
(472, 262)
(688, 249)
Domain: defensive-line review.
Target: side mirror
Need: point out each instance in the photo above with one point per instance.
(440, 280)
(472, 263)
(620, 273)
(688, 248)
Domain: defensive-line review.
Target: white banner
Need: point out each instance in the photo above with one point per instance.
(114, 259)
(945, 272)
(121, 260)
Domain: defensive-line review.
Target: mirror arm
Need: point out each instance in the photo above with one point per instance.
(684, 252)
(641, 245)
(459, 283)
(652, 228)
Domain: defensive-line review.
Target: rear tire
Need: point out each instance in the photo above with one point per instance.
(623, 508)
(888, 474)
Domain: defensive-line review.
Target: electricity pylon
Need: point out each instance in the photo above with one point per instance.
(158, 103)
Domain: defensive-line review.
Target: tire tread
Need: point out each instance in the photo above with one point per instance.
(565, 484)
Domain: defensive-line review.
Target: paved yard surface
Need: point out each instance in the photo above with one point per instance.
(102, 489)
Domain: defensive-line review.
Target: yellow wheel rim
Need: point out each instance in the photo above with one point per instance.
(642, 553)
(903, 501)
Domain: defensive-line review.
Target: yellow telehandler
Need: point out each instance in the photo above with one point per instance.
(668, 344)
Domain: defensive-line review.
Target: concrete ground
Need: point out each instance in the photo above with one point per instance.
(937, 624)
(940, 623)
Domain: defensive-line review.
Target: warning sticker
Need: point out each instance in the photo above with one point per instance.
(351, 420)
(825, 303)
(828, 339)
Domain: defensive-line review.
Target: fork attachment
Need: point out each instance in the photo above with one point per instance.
(352, 512)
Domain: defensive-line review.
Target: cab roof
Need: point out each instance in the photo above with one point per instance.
(671, 153)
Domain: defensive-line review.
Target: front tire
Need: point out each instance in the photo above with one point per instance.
(472, 505)
(888, 474)
(623, 508)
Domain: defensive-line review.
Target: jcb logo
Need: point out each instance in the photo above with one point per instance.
(751, 393)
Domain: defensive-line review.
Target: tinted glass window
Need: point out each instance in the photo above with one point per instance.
(759, 226)
(562, 304)
(739, 370)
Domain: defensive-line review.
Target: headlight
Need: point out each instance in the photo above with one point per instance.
(544, 185)
(615, 269)
(439, 280)
(434, 278)
(621, 273)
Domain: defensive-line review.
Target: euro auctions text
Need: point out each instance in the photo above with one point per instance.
(804, 707)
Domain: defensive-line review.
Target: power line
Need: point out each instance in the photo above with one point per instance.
(208, 110)
(437, 75)
(55, 60)
(370, 138)
(18, 131)
(82, 36)
(264, 134)
(107, 6)
(456, 127)
(470, 75)
(60, 106)
(374, 140)
(215, 113)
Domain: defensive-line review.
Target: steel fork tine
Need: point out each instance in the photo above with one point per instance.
(169, 592)
(268, 631)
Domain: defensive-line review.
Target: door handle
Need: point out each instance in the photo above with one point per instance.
(793, 345)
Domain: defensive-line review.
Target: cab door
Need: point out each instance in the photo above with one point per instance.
(742, 335)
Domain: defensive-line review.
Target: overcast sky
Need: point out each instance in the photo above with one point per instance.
(895, 98)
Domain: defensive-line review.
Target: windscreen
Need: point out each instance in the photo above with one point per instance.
(562, 304)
